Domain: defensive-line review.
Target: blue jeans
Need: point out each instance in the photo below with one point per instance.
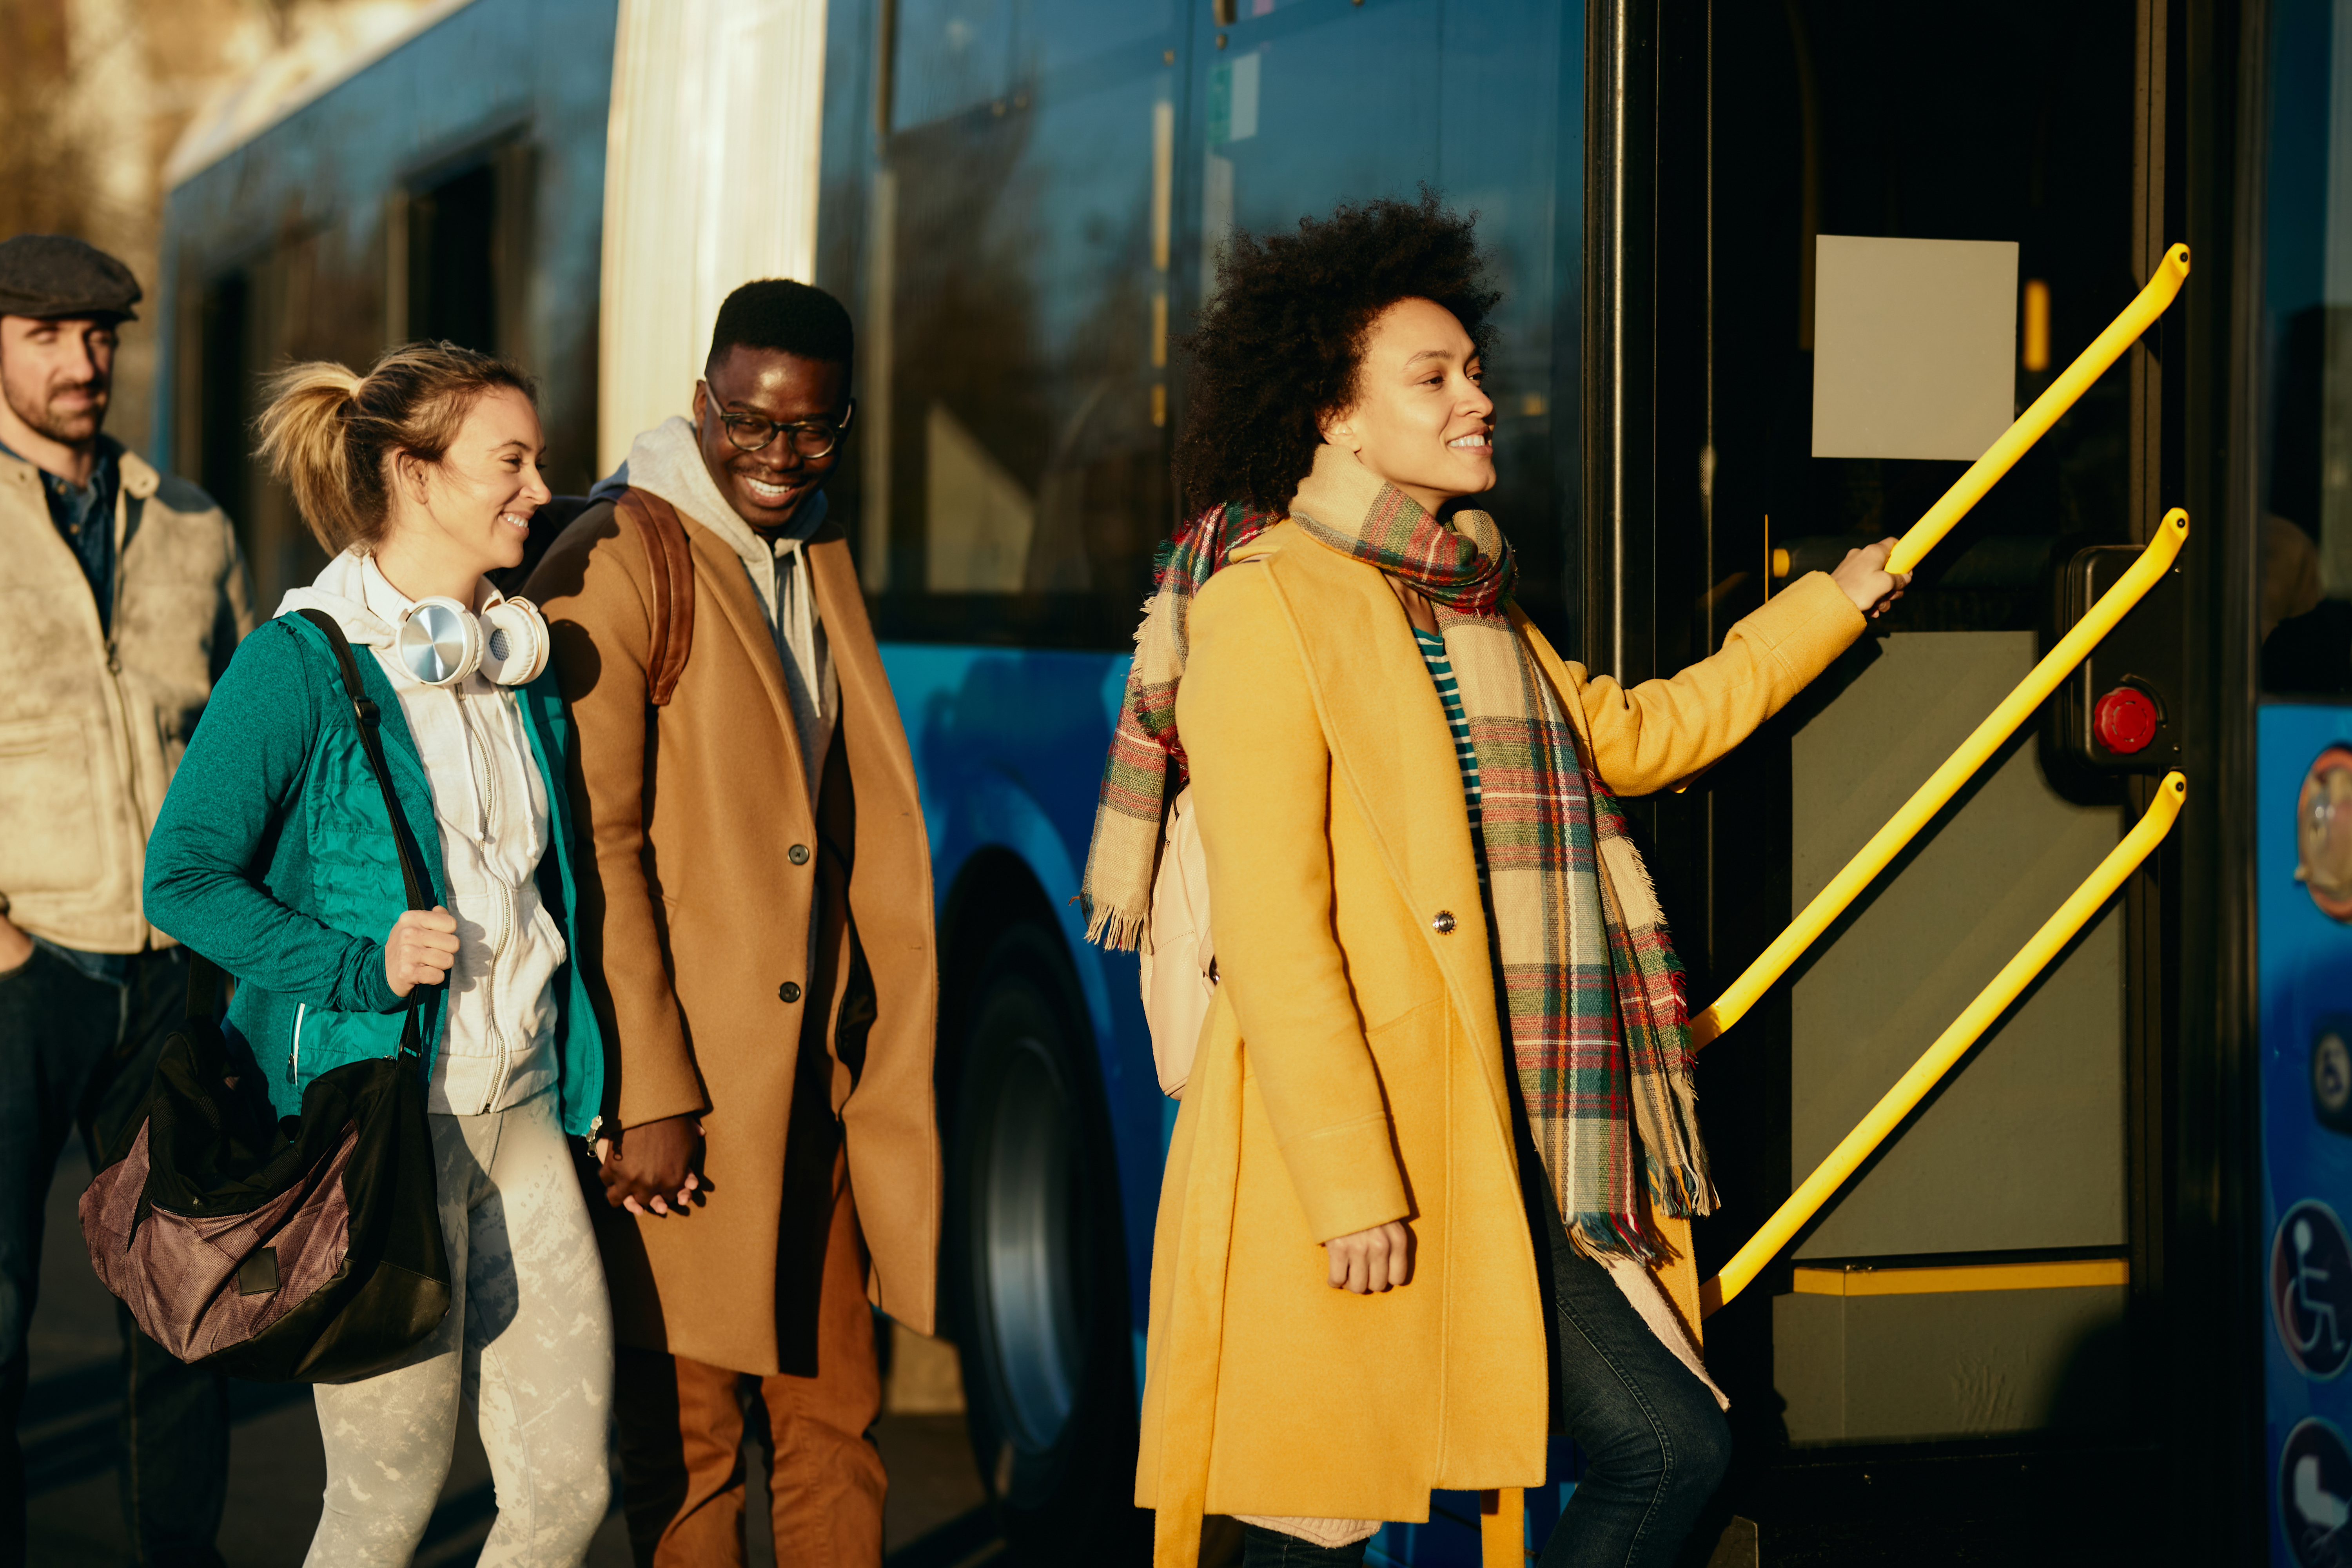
(79, 1035)
(1655, 1443)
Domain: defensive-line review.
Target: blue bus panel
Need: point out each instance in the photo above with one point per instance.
(2304, 911)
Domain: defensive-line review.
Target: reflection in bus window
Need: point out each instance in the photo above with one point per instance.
(2305, 615)
(1022, 458)
(1043, 216)
(1287, 126)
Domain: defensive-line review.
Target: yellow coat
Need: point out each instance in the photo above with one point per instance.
(1351, 1072)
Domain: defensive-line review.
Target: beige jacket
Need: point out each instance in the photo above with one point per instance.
(91, 728)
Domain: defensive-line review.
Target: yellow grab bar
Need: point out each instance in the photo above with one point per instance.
(1944, 782)
(2055, 399)
(1951, 1046)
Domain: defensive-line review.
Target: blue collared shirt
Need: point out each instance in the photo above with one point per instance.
(84, 516)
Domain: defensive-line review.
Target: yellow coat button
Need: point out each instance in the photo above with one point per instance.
(1444, 922)
(797, 854)
(788, 991)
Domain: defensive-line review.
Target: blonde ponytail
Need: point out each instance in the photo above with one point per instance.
(306, 437)
(331, 435)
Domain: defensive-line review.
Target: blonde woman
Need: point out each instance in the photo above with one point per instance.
(273, 858)
(1440, 1111)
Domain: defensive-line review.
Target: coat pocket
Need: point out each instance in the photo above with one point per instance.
(50, 840)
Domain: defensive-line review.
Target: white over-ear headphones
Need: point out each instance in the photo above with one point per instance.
(441, 642)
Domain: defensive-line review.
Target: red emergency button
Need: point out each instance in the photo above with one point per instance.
(2125, 721)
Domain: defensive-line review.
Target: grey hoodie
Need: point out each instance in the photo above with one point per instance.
(667, 461)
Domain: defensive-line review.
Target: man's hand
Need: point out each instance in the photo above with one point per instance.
(420, 948)
(653, 1167)
(1369, 1260)
(1864, 579)
(15, 947)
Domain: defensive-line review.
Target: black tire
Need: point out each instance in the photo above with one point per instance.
(1035, 1274)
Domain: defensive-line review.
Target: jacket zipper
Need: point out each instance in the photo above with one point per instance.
(112, 632)
(295, 1056)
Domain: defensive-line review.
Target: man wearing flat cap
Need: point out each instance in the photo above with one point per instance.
(121, 597)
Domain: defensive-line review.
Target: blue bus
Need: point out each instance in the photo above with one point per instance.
(1772, 276)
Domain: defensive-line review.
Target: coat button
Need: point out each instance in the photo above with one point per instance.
(1443, 923)
(797, 855)
(788, 991)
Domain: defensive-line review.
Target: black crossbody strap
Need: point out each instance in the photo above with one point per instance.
(204, 987)
(364, 713)
(363, 710)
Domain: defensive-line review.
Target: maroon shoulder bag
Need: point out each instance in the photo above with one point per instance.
(306, 1250)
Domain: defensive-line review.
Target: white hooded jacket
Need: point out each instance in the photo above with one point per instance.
(497, 1037)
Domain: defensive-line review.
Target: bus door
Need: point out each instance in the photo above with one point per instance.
(1859, 240)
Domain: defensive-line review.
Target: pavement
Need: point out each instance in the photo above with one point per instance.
(936, 1516)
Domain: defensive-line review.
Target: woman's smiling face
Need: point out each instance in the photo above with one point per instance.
(476, 504)
(1420, 418)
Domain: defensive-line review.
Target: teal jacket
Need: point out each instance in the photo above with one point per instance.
(272, 858)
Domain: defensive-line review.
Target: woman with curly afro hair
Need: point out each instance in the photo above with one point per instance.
(1438, 1129)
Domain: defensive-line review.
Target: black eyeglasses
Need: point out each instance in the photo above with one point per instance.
(810, 439)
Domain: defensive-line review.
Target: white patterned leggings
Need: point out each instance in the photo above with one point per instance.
(528, 1343)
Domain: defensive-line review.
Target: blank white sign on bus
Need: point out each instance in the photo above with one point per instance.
(1914, 346)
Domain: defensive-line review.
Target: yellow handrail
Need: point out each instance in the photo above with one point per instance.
(1944, 782)
(2055, 399)
(1951, 1046)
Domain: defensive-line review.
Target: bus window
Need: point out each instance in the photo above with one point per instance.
(1301, 109)
(451, 228)
(217, 401)
(1014, 481)
(466, 254)
(2306, 613)
(955, 54)
(1045, 214)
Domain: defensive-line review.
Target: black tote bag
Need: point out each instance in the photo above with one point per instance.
(306, 1251)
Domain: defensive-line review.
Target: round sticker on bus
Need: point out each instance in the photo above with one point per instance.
(2323, 833)
(2311, 1288)
(2314, 1494)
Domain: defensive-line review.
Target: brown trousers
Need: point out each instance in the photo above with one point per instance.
(682, 1422)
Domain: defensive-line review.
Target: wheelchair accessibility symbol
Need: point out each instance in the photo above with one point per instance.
(2314, 1496)
(2311, 1288)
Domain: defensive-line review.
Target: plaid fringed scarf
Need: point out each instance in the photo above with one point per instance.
(1116, 892)
(1597, 1017)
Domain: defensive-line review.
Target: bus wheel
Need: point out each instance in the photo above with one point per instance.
(1034, 1271)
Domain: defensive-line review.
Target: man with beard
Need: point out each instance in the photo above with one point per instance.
(758, 932)
(121, 599)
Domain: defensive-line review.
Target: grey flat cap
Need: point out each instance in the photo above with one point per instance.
(54, 275)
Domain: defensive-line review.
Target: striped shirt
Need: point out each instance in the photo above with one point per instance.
(1465, 755)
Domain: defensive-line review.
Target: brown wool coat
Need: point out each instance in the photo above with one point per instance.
(1352, 1070)
(694, 914)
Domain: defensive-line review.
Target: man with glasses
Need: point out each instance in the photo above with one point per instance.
(757, 931)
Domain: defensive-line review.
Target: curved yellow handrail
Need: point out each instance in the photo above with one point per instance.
(2055, 399)
(1951, 1046)
(1944, 782)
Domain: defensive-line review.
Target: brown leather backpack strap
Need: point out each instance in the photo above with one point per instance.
(663, 535)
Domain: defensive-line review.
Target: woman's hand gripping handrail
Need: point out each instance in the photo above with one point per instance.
(1944, 782)
(1951, 1046)
(2055, 399)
